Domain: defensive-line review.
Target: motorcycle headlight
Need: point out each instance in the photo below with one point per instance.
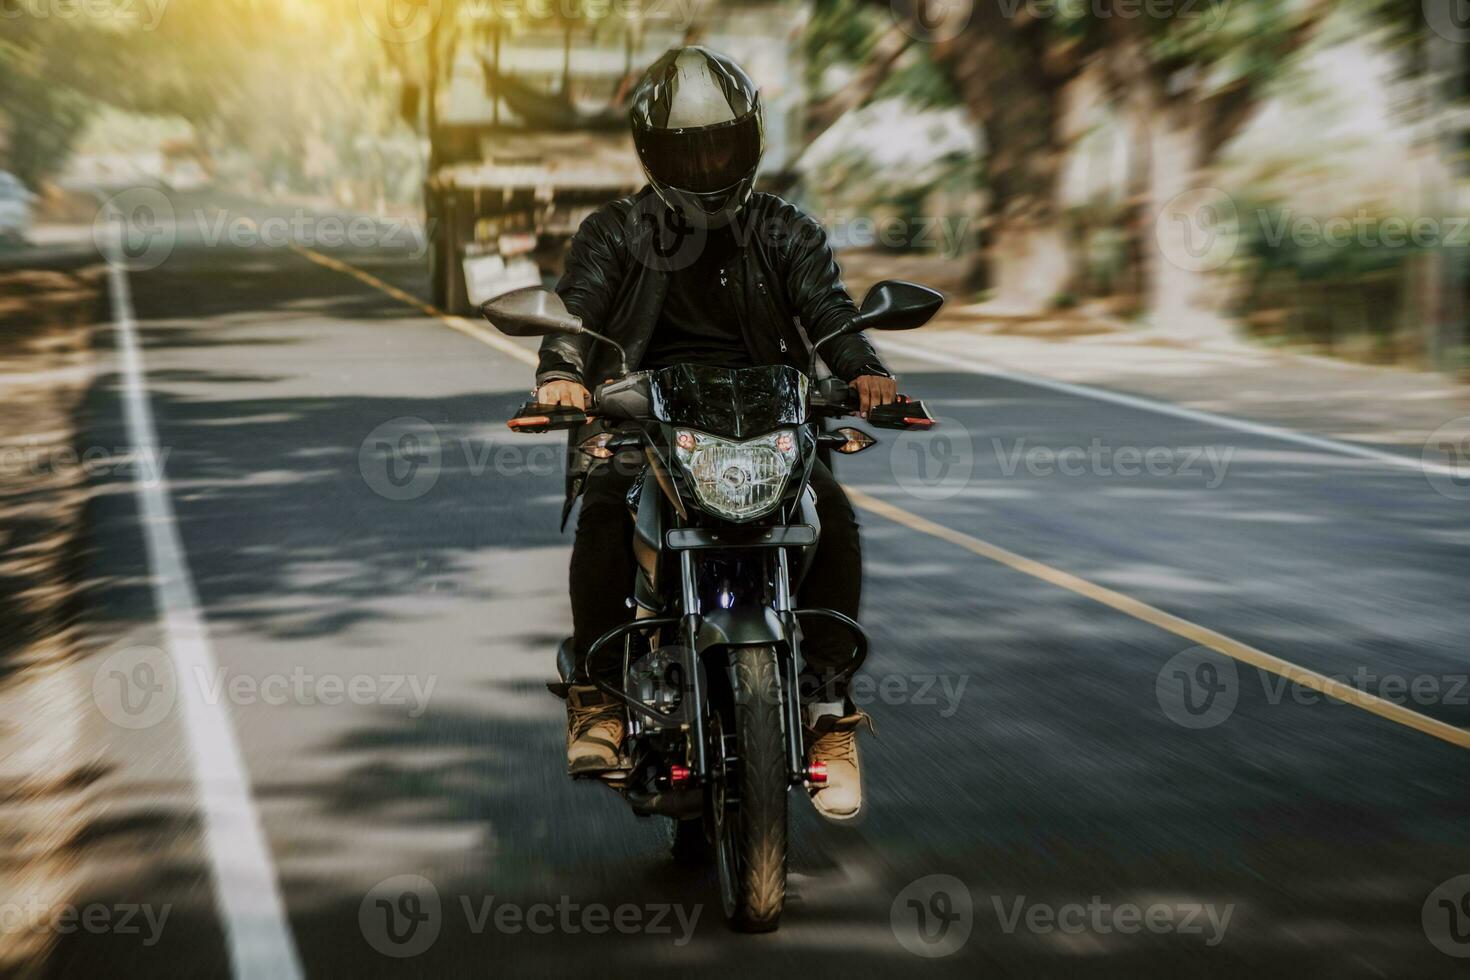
(738, 481)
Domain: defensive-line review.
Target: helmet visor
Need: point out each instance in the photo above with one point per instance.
(702, 159)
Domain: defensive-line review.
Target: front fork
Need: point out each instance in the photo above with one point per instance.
(789, 655)
(690, 626)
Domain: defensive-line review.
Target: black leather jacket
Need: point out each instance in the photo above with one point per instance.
(786, 282)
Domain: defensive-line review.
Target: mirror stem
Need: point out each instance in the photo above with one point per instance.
(812, 371)
(622, 354)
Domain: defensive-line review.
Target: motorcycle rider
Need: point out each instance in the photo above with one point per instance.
(700, 268)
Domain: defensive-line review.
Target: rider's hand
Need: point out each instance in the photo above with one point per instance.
(874, 390)
(568, 393)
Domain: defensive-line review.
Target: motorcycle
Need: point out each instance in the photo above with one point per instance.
(725, 527)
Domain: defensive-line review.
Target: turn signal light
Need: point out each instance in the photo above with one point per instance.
(596, 447)
(679, 776)
(857, 440)
(816, 773)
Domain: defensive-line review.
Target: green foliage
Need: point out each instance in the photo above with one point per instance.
(297, 86)
(843, 33)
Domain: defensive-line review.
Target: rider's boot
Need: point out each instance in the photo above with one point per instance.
(594, 731)
(832, 738)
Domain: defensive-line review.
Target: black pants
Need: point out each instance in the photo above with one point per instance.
(603, 571)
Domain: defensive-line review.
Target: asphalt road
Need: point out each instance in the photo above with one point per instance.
(1033, 746)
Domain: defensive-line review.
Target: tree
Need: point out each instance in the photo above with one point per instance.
(1187, 82)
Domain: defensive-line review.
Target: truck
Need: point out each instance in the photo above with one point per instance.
(528, 131)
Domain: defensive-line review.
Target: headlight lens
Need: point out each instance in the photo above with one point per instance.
(739, 481)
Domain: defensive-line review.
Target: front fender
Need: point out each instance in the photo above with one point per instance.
(744, 626)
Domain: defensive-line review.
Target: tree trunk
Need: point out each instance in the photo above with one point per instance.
(1195, 230)
(999, 73)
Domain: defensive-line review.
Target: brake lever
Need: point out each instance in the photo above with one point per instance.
(902, 414)
(536, 417)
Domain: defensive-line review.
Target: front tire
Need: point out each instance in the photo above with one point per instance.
(751, 815)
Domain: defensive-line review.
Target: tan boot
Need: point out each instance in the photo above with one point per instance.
(833, 739)
(594, 731)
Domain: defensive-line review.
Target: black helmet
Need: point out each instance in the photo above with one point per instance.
(697, 125)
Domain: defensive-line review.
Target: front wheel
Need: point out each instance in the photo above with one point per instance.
(750, 802)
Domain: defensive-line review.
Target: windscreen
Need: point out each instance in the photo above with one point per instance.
(736, 402)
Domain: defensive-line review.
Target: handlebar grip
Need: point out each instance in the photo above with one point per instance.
(536, 417)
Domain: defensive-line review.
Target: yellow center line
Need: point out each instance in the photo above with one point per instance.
(1129, 606)
(1193, 632)
(464, 326)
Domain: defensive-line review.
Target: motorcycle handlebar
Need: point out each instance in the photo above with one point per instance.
(626, 400)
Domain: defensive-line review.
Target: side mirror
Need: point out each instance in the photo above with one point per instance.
(531, 312)
(896, 305)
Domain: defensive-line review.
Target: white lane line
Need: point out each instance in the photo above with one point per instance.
(245, 888)
(1164, 408)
